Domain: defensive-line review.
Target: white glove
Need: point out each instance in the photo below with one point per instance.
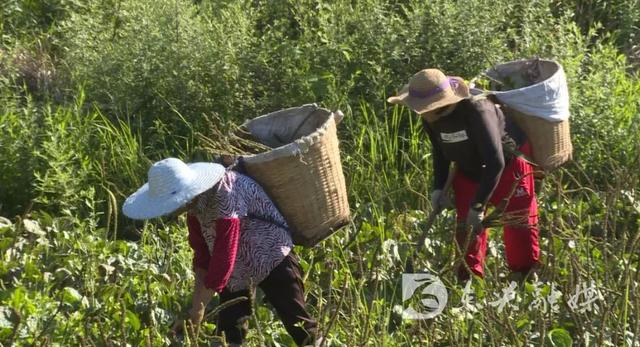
(439, 200)
(474, 219)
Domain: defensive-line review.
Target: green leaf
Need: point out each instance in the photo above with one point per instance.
(133, 320)
(522, 323)
(71, 296)
(19, 297)
(560, 337)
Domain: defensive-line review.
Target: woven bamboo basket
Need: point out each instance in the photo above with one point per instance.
(534, 93)
(302, 173)
(550, 141)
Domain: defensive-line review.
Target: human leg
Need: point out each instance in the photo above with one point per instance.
(521, 241)
(233, 320)
(285, 291)
(476, 243)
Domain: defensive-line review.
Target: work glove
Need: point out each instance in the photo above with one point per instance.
(474, 220)
(439, 200)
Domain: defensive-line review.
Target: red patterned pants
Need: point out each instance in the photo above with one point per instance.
(521, 243)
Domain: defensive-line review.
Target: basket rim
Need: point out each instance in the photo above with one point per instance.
(312, 106)
(529, 87)
(299, 146)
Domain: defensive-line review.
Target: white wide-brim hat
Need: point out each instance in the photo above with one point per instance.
(172, 184)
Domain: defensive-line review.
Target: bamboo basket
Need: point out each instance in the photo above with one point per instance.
(302, 173)
(534, 94)
(550, 141)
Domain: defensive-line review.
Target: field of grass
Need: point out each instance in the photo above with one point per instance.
(93, 92)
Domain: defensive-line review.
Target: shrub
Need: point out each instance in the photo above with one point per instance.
(147, 59)
(605, 115)
(18, 141)
(25, 20)
(244, 58)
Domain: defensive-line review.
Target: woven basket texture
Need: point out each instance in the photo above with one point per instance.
(303, 175)
(550, 141)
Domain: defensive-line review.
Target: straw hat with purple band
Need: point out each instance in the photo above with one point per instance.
(172, 184)
(430, 89)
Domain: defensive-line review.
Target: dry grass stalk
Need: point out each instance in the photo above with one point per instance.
(227, 138)
(498, 217)
(518, 219)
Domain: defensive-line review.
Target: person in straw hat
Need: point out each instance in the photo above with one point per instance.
(486, 148)
(239, 240)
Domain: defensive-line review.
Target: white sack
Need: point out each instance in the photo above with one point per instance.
(547, 99)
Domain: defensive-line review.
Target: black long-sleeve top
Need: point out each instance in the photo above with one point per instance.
(473, 136)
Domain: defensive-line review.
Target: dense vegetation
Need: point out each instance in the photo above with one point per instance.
(92, 92)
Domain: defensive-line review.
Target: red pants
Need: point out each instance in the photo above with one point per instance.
(521, 244)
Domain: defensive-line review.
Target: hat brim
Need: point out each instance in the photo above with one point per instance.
(141, 205)
(422, 105)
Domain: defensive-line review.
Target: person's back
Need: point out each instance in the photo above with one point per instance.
(264, 239)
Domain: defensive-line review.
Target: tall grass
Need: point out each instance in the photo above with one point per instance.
(153, 72)
(106, 291)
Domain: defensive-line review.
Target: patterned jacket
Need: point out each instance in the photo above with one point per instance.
(237, 233)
